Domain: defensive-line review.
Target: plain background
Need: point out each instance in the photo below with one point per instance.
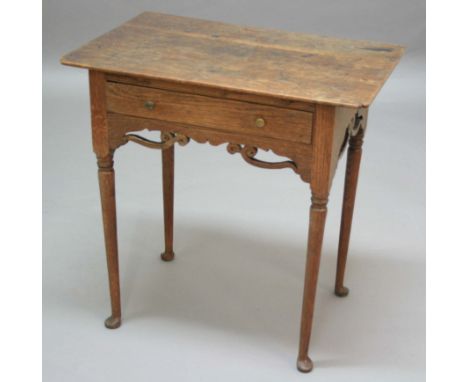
(228, 307)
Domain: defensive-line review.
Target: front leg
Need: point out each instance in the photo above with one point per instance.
(317, 217)
(105, 159)
(109, 218)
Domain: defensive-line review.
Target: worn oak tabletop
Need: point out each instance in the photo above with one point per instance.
(259, 61)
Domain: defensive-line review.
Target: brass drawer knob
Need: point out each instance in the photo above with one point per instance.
(149, 105)
(259, 122)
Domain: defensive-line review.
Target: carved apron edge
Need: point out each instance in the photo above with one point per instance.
(248, 152)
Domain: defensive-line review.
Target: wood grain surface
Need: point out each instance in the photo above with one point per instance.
(273, 63)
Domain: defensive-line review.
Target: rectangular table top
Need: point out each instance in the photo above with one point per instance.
(258, 61)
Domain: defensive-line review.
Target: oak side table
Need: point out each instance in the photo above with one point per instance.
(304, 97)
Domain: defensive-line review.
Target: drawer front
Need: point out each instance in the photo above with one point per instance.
(210, 112)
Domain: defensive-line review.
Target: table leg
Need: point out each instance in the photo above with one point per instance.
(352, 172)
(109, 218)
(317, 217)
(168, 196)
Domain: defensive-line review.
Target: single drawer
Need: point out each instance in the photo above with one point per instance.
(210, 112)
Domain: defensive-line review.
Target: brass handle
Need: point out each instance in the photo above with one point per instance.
(149, 105)
(259, 122)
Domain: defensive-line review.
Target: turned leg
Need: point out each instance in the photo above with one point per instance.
(107, 189)
(318, 213)
(352, 171)
(168, 196)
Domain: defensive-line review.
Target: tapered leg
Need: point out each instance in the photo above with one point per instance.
(352, 172)
(109, 218)
(318, 214)
(168, 196)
